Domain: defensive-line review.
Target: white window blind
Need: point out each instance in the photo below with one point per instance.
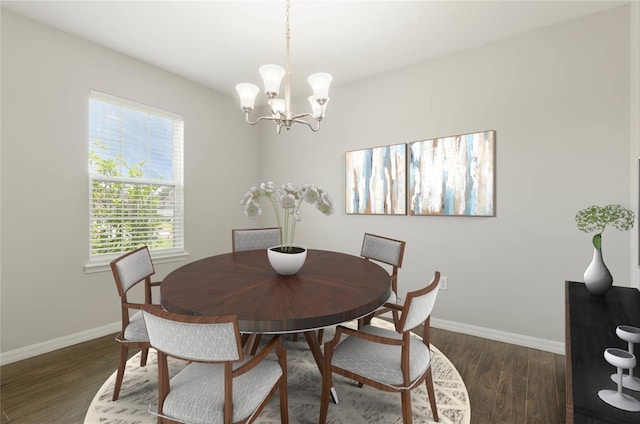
(135, 178)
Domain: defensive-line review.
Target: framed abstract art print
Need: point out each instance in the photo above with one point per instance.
(376, 180)
(453, 176)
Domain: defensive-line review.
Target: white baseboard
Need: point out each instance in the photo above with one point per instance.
(55, 344)
(472, 330)
(500, 336)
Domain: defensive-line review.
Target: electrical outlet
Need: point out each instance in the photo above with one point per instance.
(444, 283)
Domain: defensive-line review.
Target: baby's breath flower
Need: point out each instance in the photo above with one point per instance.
(596, 218)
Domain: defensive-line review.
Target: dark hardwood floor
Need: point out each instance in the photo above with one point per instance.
(506, 383)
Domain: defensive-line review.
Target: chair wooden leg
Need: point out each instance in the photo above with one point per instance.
(143, 357)
(396, 316)
(432, 396)
(124, 350)
(407, 415)
(284, 404)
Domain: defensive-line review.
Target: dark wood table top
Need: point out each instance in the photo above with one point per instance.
(331, 288)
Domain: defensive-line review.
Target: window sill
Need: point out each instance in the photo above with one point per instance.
(95, 267)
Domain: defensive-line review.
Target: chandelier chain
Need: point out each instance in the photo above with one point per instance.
(288, 36)
(288, 32)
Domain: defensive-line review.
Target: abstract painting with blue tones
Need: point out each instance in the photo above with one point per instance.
(453, 176)
(376, 180)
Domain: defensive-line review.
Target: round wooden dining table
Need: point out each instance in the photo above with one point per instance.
(331, 288)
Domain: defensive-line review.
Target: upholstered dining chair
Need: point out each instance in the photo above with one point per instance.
(129, 270)
(390, 252)
(389, 360)
(255, 238)
(387, 251)
(219, 384)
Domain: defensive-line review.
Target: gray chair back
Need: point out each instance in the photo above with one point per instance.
(132, 268)
(254, 238)
(383, 249)
(419, 304)
(210, 339)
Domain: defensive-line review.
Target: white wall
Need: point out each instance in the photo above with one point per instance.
(559, 100)
(46, 78)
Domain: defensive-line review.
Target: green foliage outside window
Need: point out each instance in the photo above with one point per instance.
(126, 214)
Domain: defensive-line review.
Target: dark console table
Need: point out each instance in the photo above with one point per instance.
(591, 323)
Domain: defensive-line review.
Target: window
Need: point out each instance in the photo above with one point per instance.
(135, 178)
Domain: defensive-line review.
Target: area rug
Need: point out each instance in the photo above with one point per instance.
(356, 405)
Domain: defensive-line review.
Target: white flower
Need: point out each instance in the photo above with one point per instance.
(311, 195)
(288, 201)
(290, 198)
(252, 210)
(291, 188)
(268, 187)
(247, 198)
(325, 204)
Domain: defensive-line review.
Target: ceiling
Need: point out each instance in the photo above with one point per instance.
(222, 43)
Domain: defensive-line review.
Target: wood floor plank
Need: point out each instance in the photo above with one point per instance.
(561, 397)
(57, 387)
(510, 403)
(465, 352)
(542, 402)
(483, 386)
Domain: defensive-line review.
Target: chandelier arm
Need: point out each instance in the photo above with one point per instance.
(303, 115)
(301, 121)
(268, 118)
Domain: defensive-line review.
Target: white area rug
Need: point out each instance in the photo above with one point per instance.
(364, 405)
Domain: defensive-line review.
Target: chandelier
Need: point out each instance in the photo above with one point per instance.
(281, 113)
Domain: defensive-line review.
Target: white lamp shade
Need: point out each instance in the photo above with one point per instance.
(247, 93)
(320, 85)
(277, 106)
(317, 109)
(271, 76)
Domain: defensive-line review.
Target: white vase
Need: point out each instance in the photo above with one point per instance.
(287, 263)
(597, 277)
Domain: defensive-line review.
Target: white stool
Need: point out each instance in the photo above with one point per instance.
(630, 335)
(620, 359)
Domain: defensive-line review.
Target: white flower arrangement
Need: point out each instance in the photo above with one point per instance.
(290, 198)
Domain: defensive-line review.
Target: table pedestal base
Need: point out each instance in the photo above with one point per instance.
(312, 340)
